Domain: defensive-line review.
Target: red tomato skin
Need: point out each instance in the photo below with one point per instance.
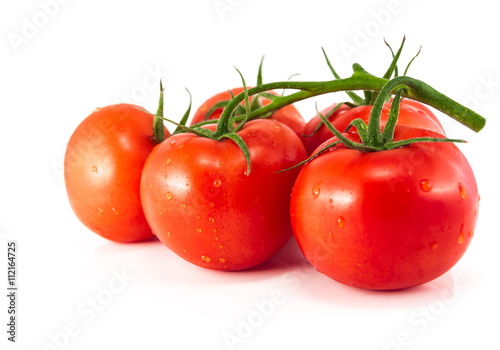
(288, 115)
(412, 113)
(386, 220)
(201, 204)
(102, 169)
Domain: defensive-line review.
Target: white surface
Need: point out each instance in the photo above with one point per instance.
(85, 54)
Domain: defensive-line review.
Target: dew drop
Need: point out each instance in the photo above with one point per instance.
(222, 260)
(183, 205)
(425, 185)
(217, 183)
(211, 204)
(198, 216)
(100, 211)
(221, 246)
(315, 191)
(169, 195)
(94, 169)
(115, 211)
(463, 192)
(341, 222)
(199, 229)
(214, 230)
(97, 109)
(168, 161)
(461, 238)
(169, 234)
(211, 220)
(434, 245)
(173, 142)
(205, 258)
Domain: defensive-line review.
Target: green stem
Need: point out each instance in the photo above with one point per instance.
(360, 80)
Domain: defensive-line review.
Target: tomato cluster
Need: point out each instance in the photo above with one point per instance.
(385, 202)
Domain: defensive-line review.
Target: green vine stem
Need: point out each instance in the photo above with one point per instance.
(360, 80)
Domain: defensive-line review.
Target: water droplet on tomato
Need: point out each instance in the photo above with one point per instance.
(94, 169)
(214, 230)
(173, 142)
(222, 260)
(97, 109)
(315, 191)
(115, 211)
(211, 204)
(198, 216)
(217, 183)
(205, 259)
(211, 220)
(461, 238)
(275, 143)
(221, 246)
(434, 245)
(168, 161)
(169, 234)
(169, 195)
(199, 229)
(183, 205)
(463, 192)
(425, 185)
(341, 222)
(100, 211)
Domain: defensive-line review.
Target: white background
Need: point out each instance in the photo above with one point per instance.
(62, 60)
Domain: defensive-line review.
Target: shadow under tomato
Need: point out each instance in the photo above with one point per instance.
(153, 261)
(320, 288)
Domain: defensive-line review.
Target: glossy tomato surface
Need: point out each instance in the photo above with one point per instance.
(386, 220)
(203, 205)
(411, 113)
(102, 170)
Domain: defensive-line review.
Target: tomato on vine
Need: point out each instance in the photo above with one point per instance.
(214, 196)
(385, 209)
(213, 107)
(102, 170)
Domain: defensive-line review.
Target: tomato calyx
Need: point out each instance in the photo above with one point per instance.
(158, 127)
(371, 136)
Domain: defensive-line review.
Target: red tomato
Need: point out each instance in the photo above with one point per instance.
(411, 113)
(288, 115)
(201, 203)
(386, 220)
(102, 170)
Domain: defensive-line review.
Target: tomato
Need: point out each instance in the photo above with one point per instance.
(203, 205)
(411, 113)
(102, 169)
(386, 220)
(288, 115)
